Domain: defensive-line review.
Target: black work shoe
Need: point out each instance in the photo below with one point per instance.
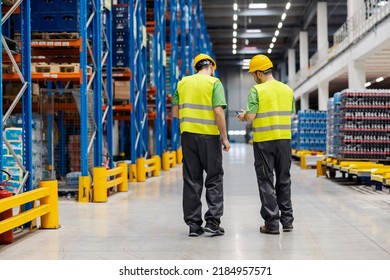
(264, 229)
(288, 227)
(196, 231)
(214, 229)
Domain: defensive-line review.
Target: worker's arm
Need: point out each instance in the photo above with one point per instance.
(175, 111)
(246, 117)
(249, 114)
(221, 124)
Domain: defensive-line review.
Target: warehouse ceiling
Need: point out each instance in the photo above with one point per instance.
(301, 16)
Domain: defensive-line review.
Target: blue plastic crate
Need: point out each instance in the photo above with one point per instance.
(68, 22)
(44, 5)
(48, 22)
(68, 5)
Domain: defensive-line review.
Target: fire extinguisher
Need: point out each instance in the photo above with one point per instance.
(8, 236)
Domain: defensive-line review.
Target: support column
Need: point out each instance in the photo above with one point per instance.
(303, 54)
(291, 66)
(322, 30)
(305, 102)
(356, 74)
(283, 74)
(353, 6)
(323, 95)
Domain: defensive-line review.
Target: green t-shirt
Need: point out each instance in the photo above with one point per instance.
(253, 102)
(218, 96)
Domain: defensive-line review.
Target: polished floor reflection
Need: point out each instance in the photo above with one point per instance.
(333, 220)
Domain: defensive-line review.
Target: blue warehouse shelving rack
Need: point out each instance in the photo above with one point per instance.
(18, 62)
(86, 47)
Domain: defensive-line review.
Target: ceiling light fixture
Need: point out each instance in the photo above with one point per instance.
(284, 16)
(276, 33)
(258, 6)
(380, 79)
(234, 26)
(271, 45)
(253, 30)
(273, 39)
(234, 33)
(234, 40)
(235, 17)
(234, 51)
(246, 42)
(367, 84)
(288, 5)
(235, 6)
(234, 46)
(269, 51)
(280, 24)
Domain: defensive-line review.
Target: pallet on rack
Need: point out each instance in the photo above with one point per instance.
(55, 35)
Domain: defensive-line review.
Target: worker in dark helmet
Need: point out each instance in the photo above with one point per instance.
(199, 102)
(270, 106)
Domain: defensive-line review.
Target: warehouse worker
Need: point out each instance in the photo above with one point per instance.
(270, 105)
(199, 102)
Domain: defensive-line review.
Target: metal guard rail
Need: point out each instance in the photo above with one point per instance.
(103, 180)
(47, 193)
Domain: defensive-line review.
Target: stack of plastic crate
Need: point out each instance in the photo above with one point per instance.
(312, 130)
(121, 35)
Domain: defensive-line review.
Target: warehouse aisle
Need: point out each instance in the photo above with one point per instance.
(332, 221)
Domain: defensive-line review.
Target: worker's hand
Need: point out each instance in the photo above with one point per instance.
(225, 145)
(241, 115)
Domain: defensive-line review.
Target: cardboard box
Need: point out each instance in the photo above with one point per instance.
(122, 90)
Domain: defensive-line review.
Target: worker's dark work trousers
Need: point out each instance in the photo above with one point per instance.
(202, 152)
(270, 157)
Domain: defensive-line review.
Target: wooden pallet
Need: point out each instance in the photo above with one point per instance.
(58, 68)
(55, 35)
(8, 68)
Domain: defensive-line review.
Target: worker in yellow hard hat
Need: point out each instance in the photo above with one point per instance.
(199, 103)
(270, 106)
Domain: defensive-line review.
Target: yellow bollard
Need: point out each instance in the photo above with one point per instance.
(157, 170)
(179, 155)
(165, 161)
(99, 184)
(141, 172)
(84, 188)
(123, 187)
(50, 220)
(173, 158)
(133, 173)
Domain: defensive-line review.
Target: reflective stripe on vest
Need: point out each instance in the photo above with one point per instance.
(273, 119)
(195, 104)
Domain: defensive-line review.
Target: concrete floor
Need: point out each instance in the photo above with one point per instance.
(333, 221)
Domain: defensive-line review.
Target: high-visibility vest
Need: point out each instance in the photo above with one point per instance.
(196, 112)
(273, 118)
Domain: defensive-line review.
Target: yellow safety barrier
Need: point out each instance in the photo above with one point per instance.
(47, 209)
(179, 155)
(148, 165)
(102, 181)
(168, 160)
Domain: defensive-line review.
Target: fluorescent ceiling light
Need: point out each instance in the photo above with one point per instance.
(234, 46)
(284, 16)
(288, 5)
(245, 61)
(258, 6)
(235, 6)
(280, 24)
(269, 51)
(367, 84)
(246, 42)
(234, 26)
(234, 51)
(245, 67)
(276, 33)
(235, 17)
(253, 30)
(380, 79)
(234, 40)
(271, 45)
(273, 39)
(234, 33)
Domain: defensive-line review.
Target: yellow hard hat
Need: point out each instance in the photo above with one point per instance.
(201, 57)
(260, 62)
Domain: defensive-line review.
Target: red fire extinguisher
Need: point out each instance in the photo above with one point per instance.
(8, 236)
